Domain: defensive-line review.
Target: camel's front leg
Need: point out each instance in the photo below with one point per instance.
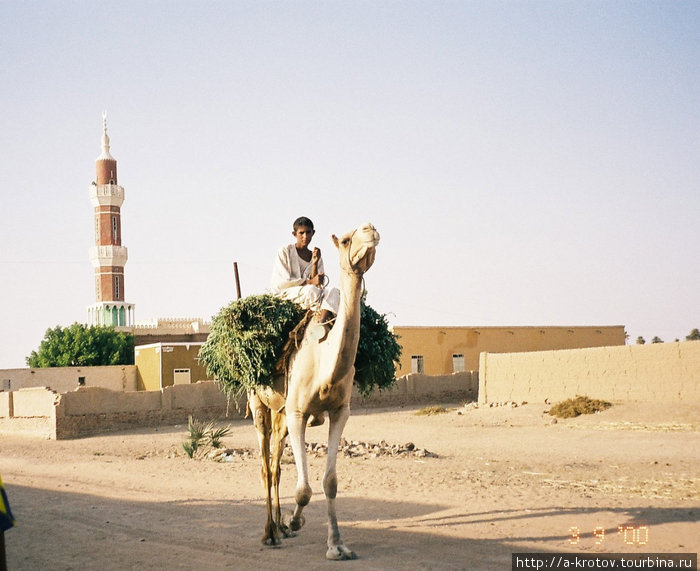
(336, 547)
(296, 424)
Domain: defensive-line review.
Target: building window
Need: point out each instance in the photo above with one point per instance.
(81, 381)
(181, 376)
(458, 363)
(116, 288)
(97, 230)
(115, 234)
(417, 365)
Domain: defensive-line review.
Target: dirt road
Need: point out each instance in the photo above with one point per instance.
(504, 480)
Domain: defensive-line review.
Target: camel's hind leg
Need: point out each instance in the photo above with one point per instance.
(336, 547)
(279, 435)
(262, 419)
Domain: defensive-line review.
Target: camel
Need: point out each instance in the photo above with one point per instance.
(318, 381)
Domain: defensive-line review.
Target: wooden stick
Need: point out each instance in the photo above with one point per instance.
(238, 282)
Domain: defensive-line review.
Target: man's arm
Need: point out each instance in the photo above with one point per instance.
(282, 274)
(315, 259)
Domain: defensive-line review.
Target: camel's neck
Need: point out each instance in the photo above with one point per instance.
(343, 338)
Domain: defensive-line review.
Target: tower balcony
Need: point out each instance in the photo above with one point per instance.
(106, 194)
(115, 313)
(108, 256)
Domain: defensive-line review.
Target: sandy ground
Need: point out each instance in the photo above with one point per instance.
(505, 480)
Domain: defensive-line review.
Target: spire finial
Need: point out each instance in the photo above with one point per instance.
(105, 139)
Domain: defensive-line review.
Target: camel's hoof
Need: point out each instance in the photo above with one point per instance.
(271, 536)
(340, 553)
(287, 531)
(271, 541)
(295, 524)
(284, 526)
(287, 524)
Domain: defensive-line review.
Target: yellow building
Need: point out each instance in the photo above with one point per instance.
(428, 350)
(166, 364)
(444, 350)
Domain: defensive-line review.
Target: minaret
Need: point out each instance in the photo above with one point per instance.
(108, 256)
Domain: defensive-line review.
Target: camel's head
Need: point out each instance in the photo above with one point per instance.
(357, 248)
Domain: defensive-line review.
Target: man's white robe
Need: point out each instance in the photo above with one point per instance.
(288, 276)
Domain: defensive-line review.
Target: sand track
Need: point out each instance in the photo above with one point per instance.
(505, 479)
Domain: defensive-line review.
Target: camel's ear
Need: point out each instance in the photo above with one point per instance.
(335, 240)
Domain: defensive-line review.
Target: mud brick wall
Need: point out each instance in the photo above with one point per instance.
(94, 410)
(660, 372)
(417, 388)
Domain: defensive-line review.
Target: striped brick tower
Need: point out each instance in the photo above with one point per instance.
(108, 256)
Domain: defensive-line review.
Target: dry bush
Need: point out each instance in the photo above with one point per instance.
(431, 410)
(571, 408)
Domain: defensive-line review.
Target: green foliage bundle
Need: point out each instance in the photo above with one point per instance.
(83, 346)
(378, 351)
(571, 408)
(248, 335)
(246, 341)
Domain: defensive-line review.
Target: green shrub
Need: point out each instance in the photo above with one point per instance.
(201, 435)
(214, 436)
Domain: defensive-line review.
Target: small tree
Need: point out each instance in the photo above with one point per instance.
(83, 346)
(694, 336)
(657, 340)
(640, 340)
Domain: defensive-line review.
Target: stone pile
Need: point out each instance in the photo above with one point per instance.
(358, 449)
(348, 448)
(474, 405)
(231, 454)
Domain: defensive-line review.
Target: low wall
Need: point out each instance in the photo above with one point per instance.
(660, 372)
(94, 410)
(29, 411)
(417, 388)
(34, 402)
(6, 404)
(65, 379)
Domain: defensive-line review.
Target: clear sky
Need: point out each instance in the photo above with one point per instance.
(527, 163)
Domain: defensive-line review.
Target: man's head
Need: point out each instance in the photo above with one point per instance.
(303, 221)
(303, 231)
